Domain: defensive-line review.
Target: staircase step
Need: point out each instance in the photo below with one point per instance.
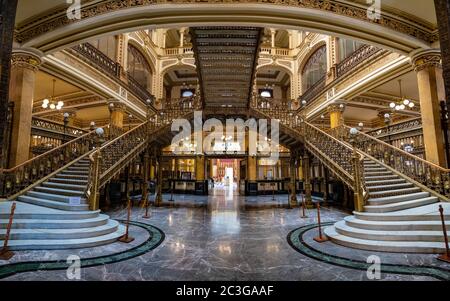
(390, 187)
(384, 246)
(75, 172)
(69, 176)
(64, 186)
(69, 181)
(398, 198)
(377, 173)
(423, 213)
(385, 182)
(56, 234)
(370, 169)
(55, 223)
(52, 204)
(354, 222)
(401, 205)
(381, 194)
(59, 191)
(53, 197)
(36, 244)
(381, 178)
(427, 236)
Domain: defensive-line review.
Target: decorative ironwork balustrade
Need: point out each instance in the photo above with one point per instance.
(361, 55)
(138, 89)
(341, 158)
(398, 128)
(108, 160)
(426, 173)
(315, 90)
(44, 125)
(16, 179)
(100, 59)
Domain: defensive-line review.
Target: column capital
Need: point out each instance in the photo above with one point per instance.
(116, 106)
(28, 59)
(337, 106)
(425, 59)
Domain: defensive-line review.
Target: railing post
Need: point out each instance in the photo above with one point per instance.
(444, 257)
(357, 174)
(95, 191)
(4, 253)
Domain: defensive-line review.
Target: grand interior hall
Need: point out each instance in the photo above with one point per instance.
(245, 140)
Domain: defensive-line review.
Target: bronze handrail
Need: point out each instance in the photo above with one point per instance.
(46, 153)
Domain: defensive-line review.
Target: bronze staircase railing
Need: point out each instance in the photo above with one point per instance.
(110, 159)
(420, 170)
(16, 179)
(340, 158)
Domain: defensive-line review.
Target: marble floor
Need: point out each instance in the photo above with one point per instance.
(224, 241)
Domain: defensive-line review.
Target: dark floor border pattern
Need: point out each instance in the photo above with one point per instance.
(296, 241)
(157, 236)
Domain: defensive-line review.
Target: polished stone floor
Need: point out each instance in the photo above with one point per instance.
(224, 241)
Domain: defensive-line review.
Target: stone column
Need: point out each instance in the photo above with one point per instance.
(159, 199)
(336, 111)
(182, 30)
(116, 117)
(273, 32)
(307, 180)
(427, 65)
(293, 185)
(22, 85)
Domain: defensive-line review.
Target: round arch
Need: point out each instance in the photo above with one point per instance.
(150, 59)
(311, 51)
(102, 18)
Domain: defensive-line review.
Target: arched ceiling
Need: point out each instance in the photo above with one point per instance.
(403, 27)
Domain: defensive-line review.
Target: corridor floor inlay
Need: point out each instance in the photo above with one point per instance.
(296, 240)
(156, 237)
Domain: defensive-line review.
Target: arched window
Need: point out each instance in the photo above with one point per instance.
(139, 68)
(315, 68)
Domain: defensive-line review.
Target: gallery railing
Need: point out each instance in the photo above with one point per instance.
(98, 58)
(401, 127)
(54, 127)
(15, 179)
(361, 55)
(424, 172)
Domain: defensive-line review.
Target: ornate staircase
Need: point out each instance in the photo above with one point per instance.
(396, 194)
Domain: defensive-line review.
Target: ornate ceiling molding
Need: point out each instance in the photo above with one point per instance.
(53, 20)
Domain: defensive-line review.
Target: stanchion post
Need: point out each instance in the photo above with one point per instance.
(147, 205)
(5, 254)
(303, 207)
(127, 238)
(444, 257)
(320, 238)
(273, 191)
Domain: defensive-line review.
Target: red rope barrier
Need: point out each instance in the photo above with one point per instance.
(4, 253)
(444, 257)
(320, 238)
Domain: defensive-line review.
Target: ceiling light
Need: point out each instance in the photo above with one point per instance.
(411, 105)
(392, 105)
(402, 107)
(406, 102)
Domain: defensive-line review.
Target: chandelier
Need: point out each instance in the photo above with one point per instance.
(52, 103)
(403, 103)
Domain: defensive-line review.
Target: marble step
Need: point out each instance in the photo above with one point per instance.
(60, 191)
(390, 187)
(56, 234)
(385, 182)
(78, 168)
(401, 205)
(354, 222)
(374, 169)
(53, 197)
(53, 204)
(381, 194)
(43, 213)
(398, 198)
(381, 178)
(69, 176)
(36, 244)
(423, 213)
(343, 228)
(377, 173)
(35, 223)
(64, 186)
(69, 181)
(74, 172)
(384, 246)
